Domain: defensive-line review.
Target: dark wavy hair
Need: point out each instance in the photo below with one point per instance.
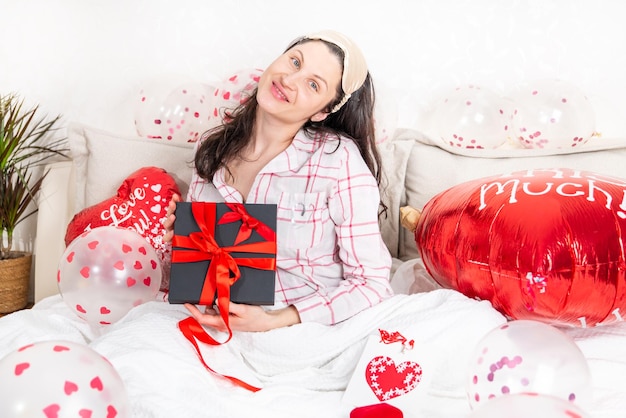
(355, 119)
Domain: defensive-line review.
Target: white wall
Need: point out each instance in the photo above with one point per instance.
(85, 59)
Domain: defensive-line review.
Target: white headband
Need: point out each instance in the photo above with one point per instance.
(354, 65)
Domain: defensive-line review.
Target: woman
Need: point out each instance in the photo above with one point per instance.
(304, 141)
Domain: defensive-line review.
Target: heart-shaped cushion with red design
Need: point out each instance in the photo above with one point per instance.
(140, 204)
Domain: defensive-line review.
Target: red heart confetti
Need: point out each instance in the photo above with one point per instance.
(52, 411)
(19, 368)
(111, 411)
(25, 347)
(59, 348)
(96, 383)
(70, 387)
(85, 413)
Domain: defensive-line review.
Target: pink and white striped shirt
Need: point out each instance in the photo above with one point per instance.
(331, 260)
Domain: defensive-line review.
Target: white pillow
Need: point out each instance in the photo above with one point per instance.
(102, 160)
(432, 168)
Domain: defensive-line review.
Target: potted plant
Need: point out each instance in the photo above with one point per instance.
(27, 141)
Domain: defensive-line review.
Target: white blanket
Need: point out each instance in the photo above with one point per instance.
(303, 369)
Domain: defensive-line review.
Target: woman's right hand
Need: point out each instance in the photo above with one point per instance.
(168, 223)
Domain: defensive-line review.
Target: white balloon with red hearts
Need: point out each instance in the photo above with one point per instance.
(232, 92)
(53, 379)
(107, 271)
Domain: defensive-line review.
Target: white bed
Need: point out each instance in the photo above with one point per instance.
(304, 369)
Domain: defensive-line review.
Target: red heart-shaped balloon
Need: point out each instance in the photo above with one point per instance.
(140, 204)
(545, 244)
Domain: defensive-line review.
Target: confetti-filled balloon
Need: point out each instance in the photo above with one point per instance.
(552, 114)
(525, 405)
(545, 244)
(175, 113)
(149, 102)
(54, 379)
(107, 271)
(528, 357)
(472, 117)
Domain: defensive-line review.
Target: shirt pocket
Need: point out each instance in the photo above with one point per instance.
(303, 220)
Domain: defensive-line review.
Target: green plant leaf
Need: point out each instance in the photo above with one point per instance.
(27, 140)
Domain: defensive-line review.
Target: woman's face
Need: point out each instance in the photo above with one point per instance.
(299, 85)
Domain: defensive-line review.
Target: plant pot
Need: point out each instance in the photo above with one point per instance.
(14, 281)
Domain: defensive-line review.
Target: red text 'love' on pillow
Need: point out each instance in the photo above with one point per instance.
(140, 204)
(546, 244)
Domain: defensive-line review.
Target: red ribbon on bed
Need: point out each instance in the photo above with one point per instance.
(223, 271)
(395, 337)
(193, 331)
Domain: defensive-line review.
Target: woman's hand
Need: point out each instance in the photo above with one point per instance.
(168, 223)
(246, 317)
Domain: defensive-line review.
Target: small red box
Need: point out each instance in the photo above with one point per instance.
(380, 410)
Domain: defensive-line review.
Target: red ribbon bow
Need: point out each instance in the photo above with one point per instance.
(223, 271)
(248, 223)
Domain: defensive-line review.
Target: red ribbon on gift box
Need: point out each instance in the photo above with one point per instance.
(222, 272)
(248, 223)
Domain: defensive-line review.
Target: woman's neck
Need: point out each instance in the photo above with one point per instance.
(271, 136)
(268, 140)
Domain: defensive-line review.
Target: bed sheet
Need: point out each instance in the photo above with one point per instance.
(303, 369)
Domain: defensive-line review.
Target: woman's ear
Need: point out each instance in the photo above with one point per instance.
(319, 116)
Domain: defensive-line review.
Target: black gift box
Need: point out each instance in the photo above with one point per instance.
(256, 285)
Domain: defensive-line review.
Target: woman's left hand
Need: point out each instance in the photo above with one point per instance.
(168, 223)
(246, 317)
